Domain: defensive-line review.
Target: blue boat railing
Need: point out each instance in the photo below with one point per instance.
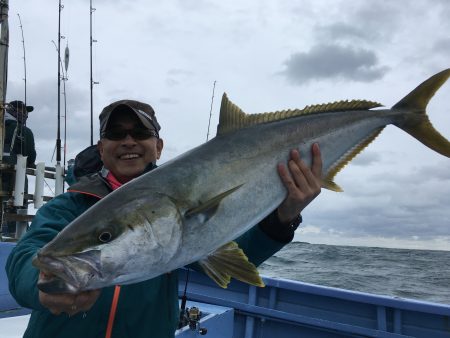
(306, 310)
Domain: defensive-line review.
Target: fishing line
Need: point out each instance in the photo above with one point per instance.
(210, 110)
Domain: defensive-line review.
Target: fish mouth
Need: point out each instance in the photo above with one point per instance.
(68, 274)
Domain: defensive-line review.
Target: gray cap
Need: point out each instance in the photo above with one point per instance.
(143, 111)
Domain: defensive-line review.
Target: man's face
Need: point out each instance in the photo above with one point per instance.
(21, 115)
(127, 158)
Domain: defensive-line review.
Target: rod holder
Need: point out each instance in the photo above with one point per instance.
(39, 185)
(19, 186)
(59, 180)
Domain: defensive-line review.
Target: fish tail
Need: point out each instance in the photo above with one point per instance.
(418, 124)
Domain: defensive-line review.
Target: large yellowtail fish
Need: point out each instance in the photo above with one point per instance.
(193, 207)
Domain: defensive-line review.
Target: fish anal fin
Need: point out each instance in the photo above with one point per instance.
(229, 261)
(209, 207)
(328, 180)
(330, 185)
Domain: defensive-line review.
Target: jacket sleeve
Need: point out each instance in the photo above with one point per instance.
(258, 245)
(49, 220)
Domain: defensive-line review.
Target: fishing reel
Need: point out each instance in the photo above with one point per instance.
(191, 316)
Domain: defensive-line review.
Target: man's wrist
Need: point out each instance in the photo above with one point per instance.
(295, 223)
(281, 232)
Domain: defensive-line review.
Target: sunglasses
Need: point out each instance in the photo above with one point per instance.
(137, 134)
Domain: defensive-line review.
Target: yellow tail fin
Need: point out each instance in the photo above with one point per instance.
(417, 123)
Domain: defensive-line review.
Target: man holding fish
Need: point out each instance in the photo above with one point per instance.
(65, 300)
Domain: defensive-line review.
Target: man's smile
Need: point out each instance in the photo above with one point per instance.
(129, 156)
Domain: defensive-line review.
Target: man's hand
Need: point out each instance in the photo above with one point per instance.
(68, 303)
(303, 184)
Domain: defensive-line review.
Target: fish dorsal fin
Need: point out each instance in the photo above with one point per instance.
(233, 118)
(209, 207)
(230, 261)
(328, 182)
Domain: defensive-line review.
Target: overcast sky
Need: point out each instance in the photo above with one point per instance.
(266, 55)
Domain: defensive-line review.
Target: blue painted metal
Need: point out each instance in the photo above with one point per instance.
(250, 321)
(8, 306)
(300, 309)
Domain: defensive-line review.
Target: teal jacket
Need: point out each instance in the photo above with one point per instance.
(145, 309)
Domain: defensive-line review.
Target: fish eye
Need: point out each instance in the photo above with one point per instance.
(105, 236)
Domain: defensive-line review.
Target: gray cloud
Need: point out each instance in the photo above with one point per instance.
(389, 204)
(333, 62)
(362, 22)
(442, 46)
(177, 76)
(341, 31)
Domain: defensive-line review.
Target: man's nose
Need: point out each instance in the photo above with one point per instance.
(129, 139)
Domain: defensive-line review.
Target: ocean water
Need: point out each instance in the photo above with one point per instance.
(414, 274)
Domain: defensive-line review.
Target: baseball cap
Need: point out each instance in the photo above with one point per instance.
(21, 105)
(143, 111)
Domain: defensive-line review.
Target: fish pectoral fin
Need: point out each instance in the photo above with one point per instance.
(230, 261)
(209, 207)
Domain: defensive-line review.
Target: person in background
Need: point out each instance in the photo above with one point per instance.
(19, 139)
(129, 146)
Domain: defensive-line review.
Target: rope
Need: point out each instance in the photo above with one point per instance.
(112, 313)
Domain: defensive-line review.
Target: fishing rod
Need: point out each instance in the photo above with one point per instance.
(64, 78)
(24, 61)
(4, 43)
(58, 134)
(25, 91)
(210, 110)
(92, 10)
